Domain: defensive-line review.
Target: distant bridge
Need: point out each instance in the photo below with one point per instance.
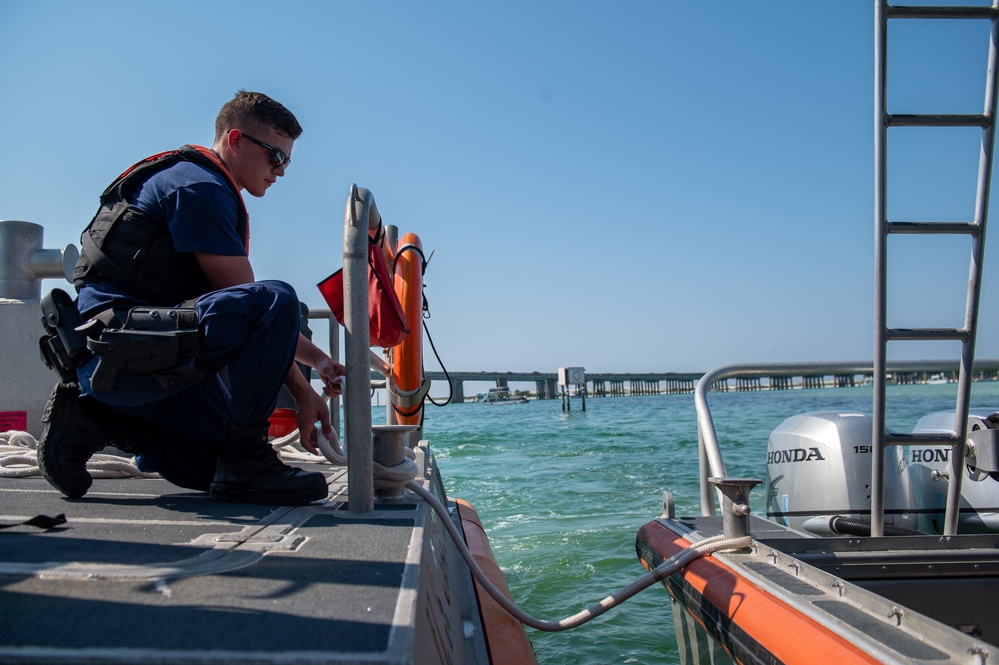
(652, 383)
(674, 383)
(546, 383)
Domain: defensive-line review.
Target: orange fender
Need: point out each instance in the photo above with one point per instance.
(407, 357)
(506, 638)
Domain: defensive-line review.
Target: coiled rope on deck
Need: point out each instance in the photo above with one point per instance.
(19, 459)
(394, 477)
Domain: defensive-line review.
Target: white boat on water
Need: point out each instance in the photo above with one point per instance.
(875, 546)
(500, 396)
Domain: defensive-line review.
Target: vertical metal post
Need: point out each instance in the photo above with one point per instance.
(880, 266)
(357, 395)
(956, 461)
(334, 346)
(707, 496)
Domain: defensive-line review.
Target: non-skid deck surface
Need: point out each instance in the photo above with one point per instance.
(145, 572)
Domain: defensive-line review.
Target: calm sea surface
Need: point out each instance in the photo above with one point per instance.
(562, 495)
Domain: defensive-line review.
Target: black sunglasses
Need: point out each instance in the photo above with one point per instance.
(278, 158)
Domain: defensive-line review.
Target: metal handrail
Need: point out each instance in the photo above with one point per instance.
(333, 339)
(710, 459)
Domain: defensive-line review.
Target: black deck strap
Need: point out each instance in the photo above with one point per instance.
(40, 521)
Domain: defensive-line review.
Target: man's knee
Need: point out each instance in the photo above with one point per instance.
(284, 296)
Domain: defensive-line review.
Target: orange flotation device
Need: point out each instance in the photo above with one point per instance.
(408, 386)
(506, 639)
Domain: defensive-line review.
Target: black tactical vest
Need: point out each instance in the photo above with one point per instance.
(133, 250)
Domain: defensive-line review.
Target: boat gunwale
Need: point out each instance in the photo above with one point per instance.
(713, 578)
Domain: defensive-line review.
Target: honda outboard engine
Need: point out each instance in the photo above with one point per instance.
(819, 476)
(928, 466)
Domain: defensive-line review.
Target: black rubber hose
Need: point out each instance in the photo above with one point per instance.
(858, 527)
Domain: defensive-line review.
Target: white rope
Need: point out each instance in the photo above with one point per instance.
(18, 455)
(103, 465)
(663, 570)
(290, 448)
(385, 477)
(19, 459)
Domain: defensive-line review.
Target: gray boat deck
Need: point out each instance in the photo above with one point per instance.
(145, 572)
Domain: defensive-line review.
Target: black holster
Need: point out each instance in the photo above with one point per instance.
(63, 346)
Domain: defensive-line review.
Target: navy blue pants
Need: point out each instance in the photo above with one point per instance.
(252, 330)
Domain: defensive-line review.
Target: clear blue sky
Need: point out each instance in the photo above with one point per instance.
(635, 186)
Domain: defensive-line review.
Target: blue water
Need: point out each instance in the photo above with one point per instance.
(562, 495)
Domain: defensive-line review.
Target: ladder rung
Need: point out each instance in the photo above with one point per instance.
(968, 228)
(937, 120)
(928, 334)
(941, 12)
(929, 439)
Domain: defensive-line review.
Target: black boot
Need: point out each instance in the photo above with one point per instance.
(75, 428)
(249, 470)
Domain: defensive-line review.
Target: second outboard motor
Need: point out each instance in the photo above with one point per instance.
(928, 467)
(819, 476)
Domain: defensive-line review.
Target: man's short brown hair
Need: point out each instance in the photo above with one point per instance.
(248, 110)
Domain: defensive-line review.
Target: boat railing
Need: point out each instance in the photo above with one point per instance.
(711, 463)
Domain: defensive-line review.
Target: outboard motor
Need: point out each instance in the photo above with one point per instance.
(979, 486)
(819, 476)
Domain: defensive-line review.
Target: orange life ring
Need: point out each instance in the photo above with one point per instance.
(407, 357)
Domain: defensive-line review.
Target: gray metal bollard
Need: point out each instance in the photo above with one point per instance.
(389, 443)
(735, 504)
(24, 264)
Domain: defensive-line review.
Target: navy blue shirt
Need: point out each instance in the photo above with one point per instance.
(198, 206)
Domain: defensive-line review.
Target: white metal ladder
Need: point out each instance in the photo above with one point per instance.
(975, 229)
